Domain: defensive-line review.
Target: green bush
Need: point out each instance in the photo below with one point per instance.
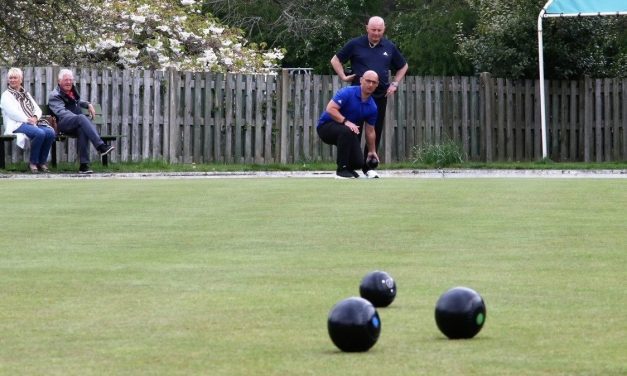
(439, 155)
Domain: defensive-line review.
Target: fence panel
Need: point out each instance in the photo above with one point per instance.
(189, 117)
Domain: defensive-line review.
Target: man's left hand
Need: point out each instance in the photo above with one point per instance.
(391, 90)
(92, 111)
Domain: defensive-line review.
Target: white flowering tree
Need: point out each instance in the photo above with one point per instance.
(148, 34)
(157, 34)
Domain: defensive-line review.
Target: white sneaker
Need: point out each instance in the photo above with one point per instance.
(372, 174)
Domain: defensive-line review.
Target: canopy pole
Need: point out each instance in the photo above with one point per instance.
(542, 93)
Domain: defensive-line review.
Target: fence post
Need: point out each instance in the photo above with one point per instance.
(388, 130)
(172, 122)
(587, 125)
(487, 106)
(283, 133)
(624, 123)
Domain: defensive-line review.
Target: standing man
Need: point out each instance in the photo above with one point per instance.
(372, 52)
(65, 103)
(351, 109)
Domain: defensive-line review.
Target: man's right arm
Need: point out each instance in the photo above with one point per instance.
(371, 137)
(57, 106)
(343, 54)
(338, 67)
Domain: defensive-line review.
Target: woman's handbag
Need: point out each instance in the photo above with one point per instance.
(50, 121)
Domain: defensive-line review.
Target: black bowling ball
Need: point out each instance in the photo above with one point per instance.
(460, 313)
(372, 163)
(379, 288)
(354, 325)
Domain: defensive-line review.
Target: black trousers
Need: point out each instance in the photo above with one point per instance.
(348, 144)
(382, 103)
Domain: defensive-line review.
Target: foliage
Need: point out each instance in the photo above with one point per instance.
(442, 154)
(129, 33)
(438, 37)
(593, 46)
(504, 42)
(160, 34)
(40, 32)
(425, 32)
(311, 31)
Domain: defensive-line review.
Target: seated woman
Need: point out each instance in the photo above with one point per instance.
(22, 117)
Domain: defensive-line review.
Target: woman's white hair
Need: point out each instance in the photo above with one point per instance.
(14, 71)
(65, 72)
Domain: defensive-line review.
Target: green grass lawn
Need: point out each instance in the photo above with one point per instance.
(237, 276)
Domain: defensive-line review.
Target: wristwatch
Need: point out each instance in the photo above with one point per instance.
(394, 83)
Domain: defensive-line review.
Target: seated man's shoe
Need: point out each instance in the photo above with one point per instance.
(33, 168)
(43, 168)
(105, 149)
(84, 169)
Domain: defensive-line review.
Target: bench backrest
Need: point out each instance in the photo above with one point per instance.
(96, 120)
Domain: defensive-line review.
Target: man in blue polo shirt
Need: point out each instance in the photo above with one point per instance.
(372, 52)
(351, 109)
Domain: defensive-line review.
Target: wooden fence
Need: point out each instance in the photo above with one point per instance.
(185, 117)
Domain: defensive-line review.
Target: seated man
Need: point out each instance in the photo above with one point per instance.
(65, 103)
(351, 109)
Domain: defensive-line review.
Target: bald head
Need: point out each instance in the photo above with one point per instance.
(369, 82)
(376, 22)
(371, 75)
(375, 30)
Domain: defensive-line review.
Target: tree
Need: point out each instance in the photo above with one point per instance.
(37, 32)
(504, 42)
(311, 31)
(425, 32)
(151, 34)
(585, 46)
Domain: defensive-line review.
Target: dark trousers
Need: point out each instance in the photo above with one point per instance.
(382, 104)
(348, 144)
(83, 129)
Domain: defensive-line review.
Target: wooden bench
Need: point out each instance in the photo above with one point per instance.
(61, 137)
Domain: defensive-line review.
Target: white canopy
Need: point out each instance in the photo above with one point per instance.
(570, 8)
(561, 8)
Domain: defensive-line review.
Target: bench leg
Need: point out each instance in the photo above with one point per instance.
(108, 139)
(2, 161)
(53, 154)
(4, 139)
